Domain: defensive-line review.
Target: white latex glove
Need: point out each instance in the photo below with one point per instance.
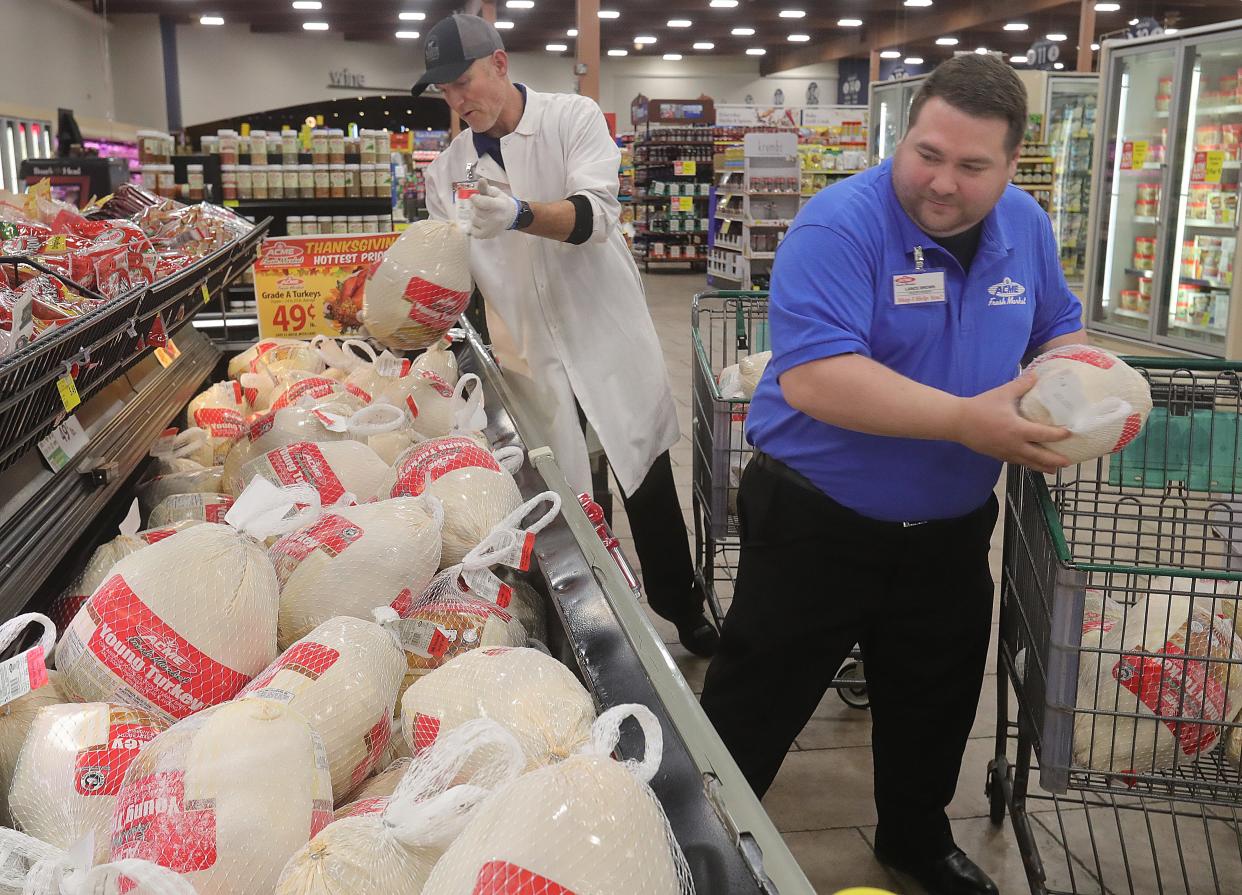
(492, 212)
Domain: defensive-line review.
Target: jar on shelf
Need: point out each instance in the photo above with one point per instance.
(319, 146)
(258, 181)
(310, 224)
(336, 146)
(323, 185)
(289, 146)
(368, 181)
(275, 182)
(292, 183)
(352, 148)
(293, 225)
(367, 146)
(245, 182)
(194, 181)
(306, 181)
(258, 147)
(151, 177)
(340, 223)
(383, 180)
(353, 181)
(370, 223)
(336, 181)
(166, 181)
(228, 181)
(228, 147)
(383, 146)
(324, 222)
(385, 223)
(209, 145)
(355, 223)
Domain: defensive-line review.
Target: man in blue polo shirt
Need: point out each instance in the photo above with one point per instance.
(903, 302)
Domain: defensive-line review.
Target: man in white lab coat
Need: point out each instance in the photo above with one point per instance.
(565, 306)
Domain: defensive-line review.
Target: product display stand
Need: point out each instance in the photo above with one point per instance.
(672, 177)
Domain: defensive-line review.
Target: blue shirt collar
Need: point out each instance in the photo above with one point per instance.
(485, 145)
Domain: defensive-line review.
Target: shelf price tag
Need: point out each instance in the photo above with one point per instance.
(68, 389)
(167, 353)
(687, 167)
(1139, 155)
(685, 203)
(66, 442)
(206, 293)
(1213, 164)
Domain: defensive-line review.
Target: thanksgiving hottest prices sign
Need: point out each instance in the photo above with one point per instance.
(307, 286)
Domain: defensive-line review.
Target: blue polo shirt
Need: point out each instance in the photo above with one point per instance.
(832, 293)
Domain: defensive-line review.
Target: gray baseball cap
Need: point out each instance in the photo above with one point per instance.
(452, 45)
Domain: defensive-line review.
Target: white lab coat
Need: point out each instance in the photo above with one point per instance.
(568, 321)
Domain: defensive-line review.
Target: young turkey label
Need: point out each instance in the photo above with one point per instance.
(100, 769)
(307, 659)
(158, 664)
(331, 534)
(376, 741)
(220, 422)
(154, 822)
(434, 306)
(305, 463)
(428, 462)
(311, 387)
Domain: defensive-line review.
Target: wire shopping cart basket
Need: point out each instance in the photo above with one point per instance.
(726, 327)
(1119, 649)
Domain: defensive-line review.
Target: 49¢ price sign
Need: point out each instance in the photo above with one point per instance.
(307, 286)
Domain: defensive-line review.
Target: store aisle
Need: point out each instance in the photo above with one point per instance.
(821, 801)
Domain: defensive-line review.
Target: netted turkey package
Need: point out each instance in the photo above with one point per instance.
(176, 627)
(29, 687)
(277, 429)
(341, 471)
(221, 411)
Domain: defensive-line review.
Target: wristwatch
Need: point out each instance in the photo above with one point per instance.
(525, 216)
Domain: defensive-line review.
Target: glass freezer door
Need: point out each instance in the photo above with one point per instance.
(1071, 139)
(1195, 304)
(888, 118)
(1139, 98)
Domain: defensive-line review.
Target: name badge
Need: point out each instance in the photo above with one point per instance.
(919, 287)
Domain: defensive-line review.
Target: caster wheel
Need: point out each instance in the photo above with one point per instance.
(854, 695)
(994, 789)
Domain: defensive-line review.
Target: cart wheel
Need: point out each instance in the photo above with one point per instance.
(994, 789)
(854, 695)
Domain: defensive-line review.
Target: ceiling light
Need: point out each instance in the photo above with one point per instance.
(618, 52)
(1133, 22)
(644, 39)
(1016, 26)
(571, 32)
(742, 32)
(314, 26)
(755, 51)
(799, 38)
(1107, 7)
(914, 60)
(679, 23)
(946, 41)
(411, 16)
(407, 35)
(1056, 37)
(982, 51)
(1058, 65)
(672, 57)
(1171, 30)
(1018, 60)
(848, 23)
(1095, 47)
(555, 48)
(705, 45)
(503, 24)
(307, 4)
(609, 14)
(723, 4)
(890, 54)
(792, 13)
(918, 2)
(520, 4)
(211, 20)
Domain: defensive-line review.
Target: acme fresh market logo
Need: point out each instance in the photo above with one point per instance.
(1006, 292)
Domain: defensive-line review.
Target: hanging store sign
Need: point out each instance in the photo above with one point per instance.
(1043, 55)
(306, 286)
(1145, 27)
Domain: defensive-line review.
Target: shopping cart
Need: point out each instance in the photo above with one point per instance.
(1120, 584)
(726, 327)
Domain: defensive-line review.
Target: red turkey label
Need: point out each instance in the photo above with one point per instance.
(220, 422)
(433, 459)
(312, 387)
(216, 510)
(238, 395)
(1134, 423)
(98, 771)
(364, 807)
(261, 426)
(403, 602)
(503, 878)
(376, 740)
(304, 463)
(153, 659)
(1086, 356)
(154, 822)
(306, 658)
(442, 388)
(331, 534)
(358, 393)
(413, 405)
(1094, 621)
(321, 816)
(155, 535)
(434, 306)
(259, 350)
(426, 729)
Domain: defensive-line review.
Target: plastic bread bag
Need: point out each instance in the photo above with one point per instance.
(354, 558)
(176, 627)
(181, 508)
(392, 850)
(29, 688)
(729, 382)
(155, 491)
(191, 444)
(439, 359)
(342, 677)
(221, 410)
(277, 429)
(475, 485)
(30, 866)
(420, 288)
(584, 824)
(70, 769)
(1101, 399)
(226, 797)
(529, 693)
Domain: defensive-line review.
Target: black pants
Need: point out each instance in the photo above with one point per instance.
(814, 579)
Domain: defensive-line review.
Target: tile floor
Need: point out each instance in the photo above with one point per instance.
(821, 801)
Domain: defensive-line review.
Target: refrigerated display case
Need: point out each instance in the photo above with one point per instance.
(889, 106)
(1164, 208)
(1069, 120)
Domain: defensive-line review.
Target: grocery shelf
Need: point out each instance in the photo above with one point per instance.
(831, 171)
(283, 207)
(1143, 219)
(1210, 284)
(1036, 159)
(1204, 112)
(1035, 187)
(1137, 272)
(1133, 315)
(1209, 225)
(759, 256)
(1198, 328)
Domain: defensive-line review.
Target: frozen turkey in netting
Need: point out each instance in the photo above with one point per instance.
(248, 360)
(586, 825)
(343, 678)
(474, 485)
(750, 371)
(372, 795)
(71, 766)
(439, 359)
(176, 627)
(336, 469)
(1101, 399)
(155, 491)
(435, 408)
(30, 866)
(180, 508)
(385, 429)
(277, 429)
(221, 411)
(392, 850)
(529, 693)
(1158, 680)
(420, 288)
(352, 559)
(173, 448)
(226, 797)
(28, 687)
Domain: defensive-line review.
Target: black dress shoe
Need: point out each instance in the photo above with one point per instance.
(694, 630)
(954, 874)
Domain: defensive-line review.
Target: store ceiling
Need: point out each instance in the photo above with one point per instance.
(889, 25)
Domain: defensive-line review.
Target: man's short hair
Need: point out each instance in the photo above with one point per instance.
(979, 85)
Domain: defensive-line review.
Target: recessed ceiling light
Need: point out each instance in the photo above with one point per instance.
(755, 51)
(571, 32)
(503, 24)
(644, 39)
(679, 23)
(1132, 22)
(799, 38)
(307, 4)
(1107, 7)
(609, 14)
(1056, 37)
(1058, 65)
(914, 60)
(792, 13)
(723, 4)
(918, 2)
(1095, 47)
(1018, 60)
(705, 45)
(314, 26)
(407, 35)
(1171, 30)
(890, 54)
(848, 23)
(618, 52)
(946, 41)
(411, 16)
(1016, 26)
(982, 51)
(211, 20)
(742, 32)
(672, 57)
(520, 4)
(555, 48)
